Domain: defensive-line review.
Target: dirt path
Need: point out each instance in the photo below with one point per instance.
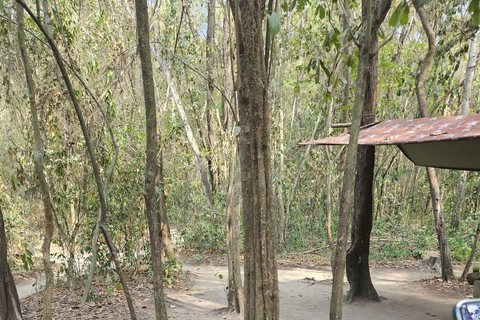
(304, 294)
(402, 296)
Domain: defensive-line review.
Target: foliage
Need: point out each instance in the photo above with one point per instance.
(314, 66)
(204, 236)
(393, 241)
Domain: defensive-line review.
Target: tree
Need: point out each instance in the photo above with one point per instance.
(370, 11)
(102, 220)
(9, 303)
(202, 171)
(211, 119)
(465, 109)
(47, 204)
(261, 279)
(143, 38)
(358, 272)
(235, 294)
(447, 268)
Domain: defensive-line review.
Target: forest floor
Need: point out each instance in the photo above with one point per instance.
(407, 290)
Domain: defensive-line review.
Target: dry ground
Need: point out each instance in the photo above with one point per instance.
(408, 290)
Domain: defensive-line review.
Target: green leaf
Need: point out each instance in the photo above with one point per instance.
(118, 286)
(473, 6)
(285, 6)
(404, 17)
(476, 17)
(274, 23)
(320, 12)
(400, 15)
(325, 69)
(381, 34)
(296, 88)
(292, 5)
(109, 291)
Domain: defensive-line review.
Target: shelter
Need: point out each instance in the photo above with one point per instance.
(442, 142)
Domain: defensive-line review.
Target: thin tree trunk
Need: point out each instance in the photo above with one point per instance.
(460, 199)
(202, 171)
(358, 272)
(281, 203)
(211, 123)
(447, 268)
(463, 277)
(465, 109)
(151, 170)
(328, 128)
(96, 171)
(9, 301)
(373, 17)
(168, 250)
(345, 206)
(38, 158)
(228, 80)
(345, 102)
(235, 288)
(469, 74)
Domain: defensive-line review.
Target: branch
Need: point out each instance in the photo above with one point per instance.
(200, 74)
(349, 27)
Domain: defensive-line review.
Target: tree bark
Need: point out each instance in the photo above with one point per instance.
(39, 169)
(261, 279)
(9, 302)
(358, 272)
(463, 277)
(281, 124)
(103, 207)
(168, 251)
(447, 268)
(151, 170)
(235, 288)
(373, 15)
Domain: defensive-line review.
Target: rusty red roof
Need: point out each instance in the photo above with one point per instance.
(442, 142)
(408, 131)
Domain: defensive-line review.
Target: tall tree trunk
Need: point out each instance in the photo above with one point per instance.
(235, 295)
(373, 16)
(345, 102)
(358, 272)
(151, 167)
(202, 171)
(103, 211)
(261, 279)
(10, 305)
(38, 159)
(227, 115)
(447, 268)
(465, 109)
(235, 287)
(281, 123)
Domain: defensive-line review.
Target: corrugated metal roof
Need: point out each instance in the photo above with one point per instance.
(411, 131)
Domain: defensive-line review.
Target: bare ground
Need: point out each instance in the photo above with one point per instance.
(408, 290)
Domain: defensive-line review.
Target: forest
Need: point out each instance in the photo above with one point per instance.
(133, 128)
